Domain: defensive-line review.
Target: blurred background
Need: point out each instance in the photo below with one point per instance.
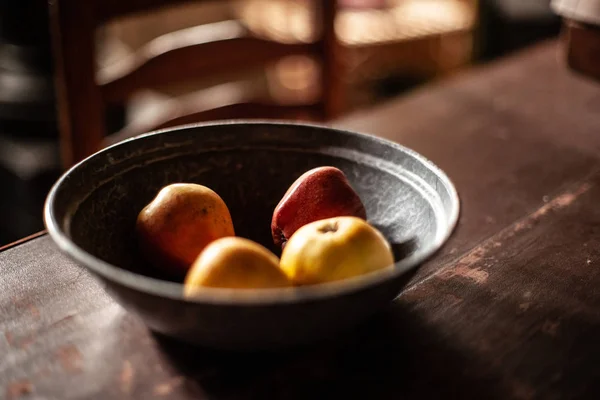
(387, 48)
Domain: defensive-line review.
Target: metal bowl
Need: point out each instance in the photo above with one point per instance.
(91, 210)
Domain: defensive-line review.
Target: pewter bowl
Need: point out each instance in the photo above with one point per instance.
(91, 210)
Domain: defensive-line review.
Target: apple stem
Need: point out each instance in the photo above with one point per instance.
(331, 227)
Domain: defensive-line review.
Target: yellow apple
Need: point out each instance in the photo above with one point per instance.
(234, 262)
(333, 249)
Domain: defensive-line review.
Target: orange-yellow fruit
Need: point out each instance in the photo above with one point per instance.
(234, 262)
(179, 223)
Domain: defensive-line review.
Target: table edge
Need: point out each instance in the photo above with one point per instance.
(23, 240)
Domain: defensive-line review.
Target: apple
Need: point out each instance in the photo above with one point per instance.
(333, 249)
(234, 262)
(175, 227)
(319, 193)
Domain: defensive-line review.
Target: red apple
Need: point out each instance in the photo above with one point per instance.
(320, 193)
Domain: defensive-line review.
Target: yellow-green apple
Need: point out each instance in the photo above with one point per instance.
(179, 223)
(333, 249)
(234, 262)
(319, 193)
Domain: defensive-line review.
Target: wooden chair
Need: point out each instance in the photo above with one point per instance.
(83, 98)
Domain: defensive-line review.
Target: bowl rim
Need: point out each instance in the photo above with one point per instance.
(242, 297)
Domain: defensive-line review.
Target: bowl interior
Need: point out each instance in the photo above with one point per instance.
(250, 166)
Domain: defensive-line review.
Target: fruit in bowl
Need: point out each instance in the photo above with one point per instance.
(179, 223)
(234, 262)
(322, 192)
(333, 249)
(320, 223)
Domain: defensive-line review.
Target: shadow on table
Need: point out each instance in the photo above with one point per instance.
(393, 355)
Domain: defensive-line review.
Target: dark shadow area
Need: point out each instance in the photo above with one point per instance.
(21, 203)
(404, 249)
(506, 26)
(393, 355)
(397, 354)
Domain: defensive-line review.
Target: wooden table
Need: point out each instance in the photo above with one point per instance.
(510, 308)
